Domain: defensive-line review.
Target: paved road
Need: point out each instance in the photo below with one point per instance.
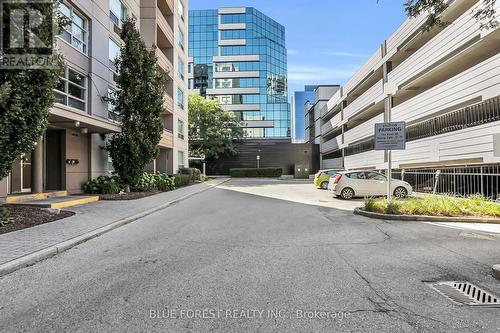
(226, 251)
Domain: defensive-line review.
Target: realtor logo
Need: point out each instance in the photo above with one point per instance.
(26, 34)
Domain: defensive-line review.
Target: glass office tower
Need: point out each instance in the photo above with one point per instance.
(299, 100)
(238, 56)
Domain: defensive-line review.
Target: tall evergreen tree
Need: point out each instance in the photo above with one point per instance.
(139, 101)
(26, 94)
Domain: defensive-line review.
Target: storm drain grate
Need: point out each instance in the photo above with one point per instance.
(465, 293)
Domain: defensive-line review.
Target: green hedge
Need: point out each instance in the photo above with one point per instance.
(182, 180)
(113, 184)
(104, 185)
(193, 172)
(255, 172)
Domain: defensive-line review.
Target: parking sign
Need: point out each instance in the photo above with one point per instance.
(390, 136)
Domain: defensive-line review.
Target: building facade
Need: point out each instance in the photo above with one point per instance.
(238, 56)
(71, 150)
(299, 100)
(445, 84)
(314, 110)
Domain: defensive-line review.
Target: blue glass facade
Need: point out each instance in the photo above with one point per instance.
(261, 42)
(298, 110)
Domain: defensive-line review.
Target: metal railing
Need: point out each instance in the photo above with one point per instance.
(464, 181)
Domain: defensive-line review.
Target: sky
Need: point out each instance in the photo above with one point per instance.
(327, 40)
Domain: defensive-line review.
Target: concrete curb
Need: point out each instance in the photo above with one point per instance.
(496, 271)
(50, 251)
(426, 218)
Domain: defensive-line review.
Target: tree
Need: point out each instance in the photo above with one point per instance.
(26, 95)
(434, 8)
(212, 131)
(139, 101)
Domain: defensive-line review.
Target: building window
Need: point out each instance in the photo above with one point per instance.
(181, 38)
(180, 9)
(112, 114)
(117, 12)
(180, 98)
(114, 53)
(180, 69)
(76, 32)
(72, 90)
(180, 159)
(180, 129)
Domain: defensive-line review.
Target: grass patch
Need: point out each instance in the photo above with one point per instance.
(435, 205)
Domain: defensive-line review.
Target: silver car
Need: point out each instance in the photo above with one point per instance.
(351, 184)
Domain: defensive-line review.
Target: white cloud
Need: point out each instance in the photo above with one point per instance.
(306, 74)
(292, 52)
(347, 54)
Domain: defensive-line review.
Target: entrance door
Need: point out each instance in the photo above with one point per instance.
(54, 160)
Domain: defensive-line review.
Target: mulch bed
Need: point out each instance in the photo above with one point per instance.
(128, 195)
(26, 217)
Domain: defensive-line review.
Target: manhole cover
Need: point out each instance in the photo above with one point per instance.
(465, 293)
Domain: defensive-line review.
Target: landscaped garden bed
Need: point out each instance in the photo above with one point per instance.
(113, 188)
(435, 205)
(22, 217)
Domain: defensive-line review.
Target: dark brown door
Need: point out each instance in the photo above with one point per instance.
(54, 160)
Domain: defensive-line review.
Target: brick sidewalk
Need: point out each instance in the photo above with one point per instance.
(88, 217)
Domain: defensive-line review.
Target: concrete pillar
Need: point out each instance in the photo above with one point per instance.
(37, 168)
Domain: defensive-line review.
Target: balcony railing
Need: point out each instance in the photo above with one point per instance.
(372, 96)
(333, 163)
(164, 63)
(168, 103)
(167, 139)
(363, 130)
(164, 26)
(331, 144)
(475, 82)
(456, 37)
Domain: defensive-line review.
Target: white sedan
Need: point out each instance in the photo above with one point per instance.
(351, 184)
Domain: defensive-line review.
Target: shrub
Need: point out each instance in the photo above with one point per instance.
(164, 182)
(435, 205)
(193, 172)
(182, 180)
(374, 205)
(393, 207)
(114, 185)
(104, 185)
(255, 172)
(145, 182)
(5, 216)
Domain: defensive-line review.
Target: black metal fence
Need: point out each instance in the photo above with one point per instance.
(457, 181)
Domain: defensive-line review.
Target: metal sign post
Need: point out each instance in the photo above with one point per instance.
(390, 136)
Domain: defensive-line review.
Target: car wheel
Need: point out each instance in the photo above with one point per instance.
(347, 193)
(324, 185)
(400, 192)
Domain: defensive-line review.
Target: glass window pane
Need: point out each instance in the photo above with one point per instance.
(64, 10)
(76, 91)
(76, 78)
(76, 104)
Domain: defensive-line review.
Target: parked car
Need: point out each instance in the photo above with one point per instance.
(351, 184)
(322, 177)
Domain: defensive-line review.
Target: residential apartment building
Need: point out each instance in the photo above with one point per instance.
(445, 84)
(299, 99)
(71, 150)
(238, 56)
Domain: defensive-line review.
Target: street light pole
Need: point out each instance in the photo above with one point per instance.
(388, 107)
